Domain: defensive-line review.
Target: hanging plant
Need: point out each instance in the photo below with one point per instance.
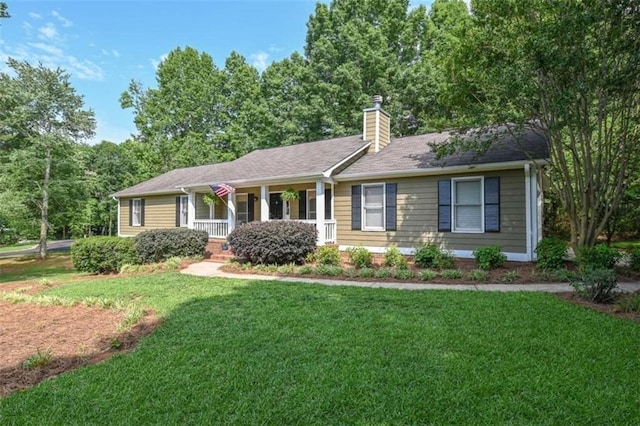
(290, 195)
(210, 199)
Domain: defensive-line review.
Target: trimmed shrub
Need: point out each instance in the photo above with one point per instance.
(597, 285)
(451, 274)
(328, 255)
(427, 275)
(445, 260)
(551, 252)
(305, 270)
(629, 304)
(158, 245)
(426, 255)
(278, 242)
(103, 255)
(366, 272)
(403, 274)
(360, 257)
(478, 275)
(600, 256)
(330, 270)
(383, 273)
(393, 258)
(489, 257)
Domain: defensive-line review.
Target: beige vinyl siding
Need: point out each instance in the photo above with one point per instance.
(384, 130)
(418, 215)
(255, 190)
(159, 212)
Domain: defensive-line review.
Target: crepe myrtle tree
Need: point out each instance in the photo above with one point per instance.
(571, 69)
(42, 121)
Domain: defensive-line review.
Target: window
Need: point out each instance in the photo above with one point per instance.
(184, 210)
(373, 207)
(242, 214)
(467, 195)
(136, 212)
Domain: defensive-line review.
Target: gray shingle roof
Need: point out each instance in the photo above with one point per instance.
(414, 153)
(306, 159)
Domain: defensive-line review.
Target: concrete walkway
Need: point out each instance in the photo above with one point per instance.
(212, 269)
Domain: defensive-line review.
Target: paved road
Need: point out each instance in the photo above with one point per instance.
(52, 247)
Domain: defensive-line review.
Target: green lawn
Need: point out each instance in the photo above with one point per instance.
(19, 246)
(55, 267)
(626, 245)
(251, 352)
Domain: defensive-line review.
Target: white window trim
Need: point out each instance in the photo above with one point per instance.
(384, 204)
(453, 205)
(184, 203)
(308, 210)
(135, 219)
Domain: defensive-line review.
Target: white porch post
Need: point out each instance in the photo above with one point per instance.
(191, 211)
(264, 203)
(231, 211)
(530, 207)
(320, 211)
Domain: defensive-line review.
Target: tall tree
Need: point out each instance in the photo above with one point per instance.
(572, 69)
(180, 118)
(42, 121)
(4, 13)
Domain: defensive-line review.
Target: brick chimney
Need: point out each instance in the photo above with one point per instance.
(376, 125)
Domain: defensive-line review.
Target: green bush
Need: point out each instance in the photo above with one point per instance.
(103, 255)
(405, 274)
(600, 256)
(478, 275)
(510, 276)
(596, 285)
(158, 245)
(451, 274)
(288, 269)
(634, 260)
(360, 257)
(445, 260)
(305, 270)
(489, 257)
(328, 255)
(427, 275)
(393, 258)
(383, 273)
(330, 270)
(551, 252)
(426, 255)
(629, 304)
(366, 272)
(278, 242)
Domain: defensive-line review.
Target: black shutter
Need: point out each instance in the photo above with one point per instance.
(391, 210)
(250, 207)
(130, 212)
(356, 207)
(327, 204)
(302, 205)
(177, 211)
(142, 212)
(444, 205)
(492, 204)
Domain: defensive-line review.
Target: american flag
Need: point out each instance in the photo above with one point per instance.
(222, 189)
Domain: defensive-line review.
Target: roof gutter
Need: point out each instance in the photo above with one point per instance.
(440, 170)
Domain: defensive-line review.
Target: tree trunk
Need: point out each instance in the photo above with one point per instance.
(44, 220)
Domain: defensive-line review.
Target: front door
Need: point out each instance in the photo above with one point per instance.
(275, 207)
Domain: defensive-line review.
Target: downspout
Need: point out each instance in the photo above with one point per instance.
(528, 219)
(118, 200)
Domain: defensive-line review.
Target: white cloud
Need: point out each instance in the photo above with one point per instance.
(115, 53)
(156, 62)
(260, 60)
(52, 50)
(48, 32)
(275, 49)
(34, 15)
(104, 52)
(64, 21)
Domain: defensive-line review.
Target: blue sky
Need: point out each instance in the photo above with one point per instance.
(105, 44)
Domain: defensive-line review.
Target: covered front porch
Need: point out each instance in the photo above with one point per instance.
(307, 202)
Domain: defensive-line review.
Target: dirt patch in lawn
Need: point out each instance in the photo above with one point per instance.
(61, 338)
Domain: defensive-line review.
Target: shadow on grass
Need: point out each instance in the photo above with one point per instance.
(31, 268)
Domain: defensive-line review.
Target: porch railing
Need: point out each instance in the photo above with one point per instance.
(216, 228)
(219, 228)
